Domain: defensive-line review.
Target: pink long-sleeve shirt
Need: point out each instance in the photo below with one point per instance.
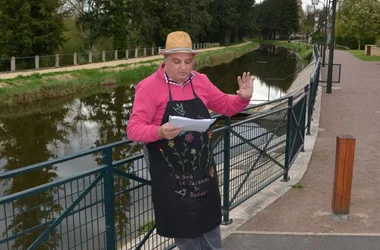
(152, 95)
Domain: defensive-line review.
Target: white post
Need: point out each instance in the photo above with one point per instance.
(56, 60)
(144, 51)
(13, 63)
(152, 51)
(115, 54)
(75, 59)
(90, 57)
(136, 52)
(126, 54)
(37, 62)
(103, 56)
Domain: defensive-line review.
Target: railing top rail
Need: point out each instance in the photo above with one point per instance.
(40, 165)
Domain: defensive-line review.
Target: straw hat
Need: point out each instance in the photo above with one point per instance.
(178, 42)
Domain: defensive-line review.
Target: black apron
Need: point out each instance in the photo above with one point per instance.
(185, 191)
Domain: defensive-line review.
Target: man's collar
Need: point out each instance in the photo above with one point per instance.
(171, 81)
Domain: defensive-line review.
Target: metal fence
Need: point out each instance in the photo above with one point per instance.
(109, 207)
(71, 59)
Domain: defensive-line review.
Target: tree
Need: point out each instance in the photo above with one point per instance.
(30, 27)
(359, 19)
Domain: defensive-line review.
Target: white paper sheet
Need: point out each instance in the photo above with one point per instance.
(188, 124)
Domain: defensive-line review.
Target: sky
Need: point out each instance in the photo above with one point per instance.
(304, 3)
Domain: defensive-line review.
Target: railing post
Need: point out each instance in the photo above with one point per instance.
(13, 63)
(109, 202)
(126, 54)
(90, 57)
(56, 60)
(144, 52)
(75, 60)
(115, 54)
(303, 114)
(152, 51)
(226, 173)
(136, 52)
(37, 62)
(103, 56)
(310, 105)
(289, 139)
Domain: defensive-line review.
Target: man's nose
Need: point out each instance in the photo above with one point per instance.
(182, 65)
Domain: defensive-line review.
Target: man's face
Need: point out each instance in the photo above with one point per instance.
(179, 66)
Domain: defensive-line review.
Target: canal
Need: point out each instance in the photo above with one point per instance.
(63, 127)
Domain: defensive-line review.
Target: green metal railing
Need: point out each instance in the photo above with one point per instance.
(314, 84)
(109, 207)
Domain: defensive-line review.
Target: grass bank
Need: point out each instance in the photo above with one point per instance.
(26, 90)
(303, 50)
(360, 54)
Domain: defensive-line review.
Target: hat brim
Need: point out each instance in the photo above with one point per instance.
(172, 51)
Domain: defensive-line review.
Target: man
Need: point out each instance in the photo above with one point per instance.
(185, 190)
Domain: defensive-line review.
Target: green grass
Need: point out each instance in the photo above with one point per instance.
(25, 90)
(360, 54)
(226, 55)
(303, 50)
(298, 186)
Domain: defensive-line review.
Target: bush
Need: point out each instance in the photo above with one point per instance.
(353, 43)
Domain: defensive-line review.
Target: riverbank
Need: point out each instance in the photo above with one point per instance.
(26, 90)
(305, 51)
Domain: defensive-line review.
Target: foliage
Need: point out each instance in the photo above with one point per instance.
(29, 28)
(278, 18)
(359, 19)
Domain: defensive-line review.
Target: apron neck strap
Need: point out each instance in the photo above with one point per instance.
(192, 88)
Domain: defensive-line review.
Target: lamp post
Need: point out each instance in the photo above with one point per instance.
(316, 27)
(326, 6)
(331, 52)
(332, 42)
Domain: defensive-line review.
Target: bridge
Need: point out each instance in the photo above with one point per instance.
(109, 207)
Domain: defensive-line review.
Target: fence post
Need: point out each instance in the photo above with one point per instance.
(226, 172)
(289, 139)
(159, 48)
(37, 62)
(90, 57)
(310, 105)
(126, 54)
(152, 51)
(103, 56)
(144, 51)
(303, 116)
(75, 59)
(115, 54)
(56, 60)
(136, 52)
(344, 164)
(109, 195)
(13, 63)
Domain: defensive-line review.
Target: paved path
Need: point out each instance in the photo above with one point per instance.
(353, 108)
(97, 65)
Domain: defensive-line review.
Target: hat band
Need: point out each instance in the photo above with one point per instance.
(178, 49)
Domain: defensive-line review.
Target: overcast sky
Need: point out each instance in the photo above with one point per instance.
(304, 3)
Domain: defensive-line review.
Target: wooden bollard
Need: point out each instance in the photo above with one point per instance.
(345, 152)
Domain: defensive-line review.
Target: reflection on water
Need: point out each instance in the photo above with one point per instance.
(269, 64)
(81, 123)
